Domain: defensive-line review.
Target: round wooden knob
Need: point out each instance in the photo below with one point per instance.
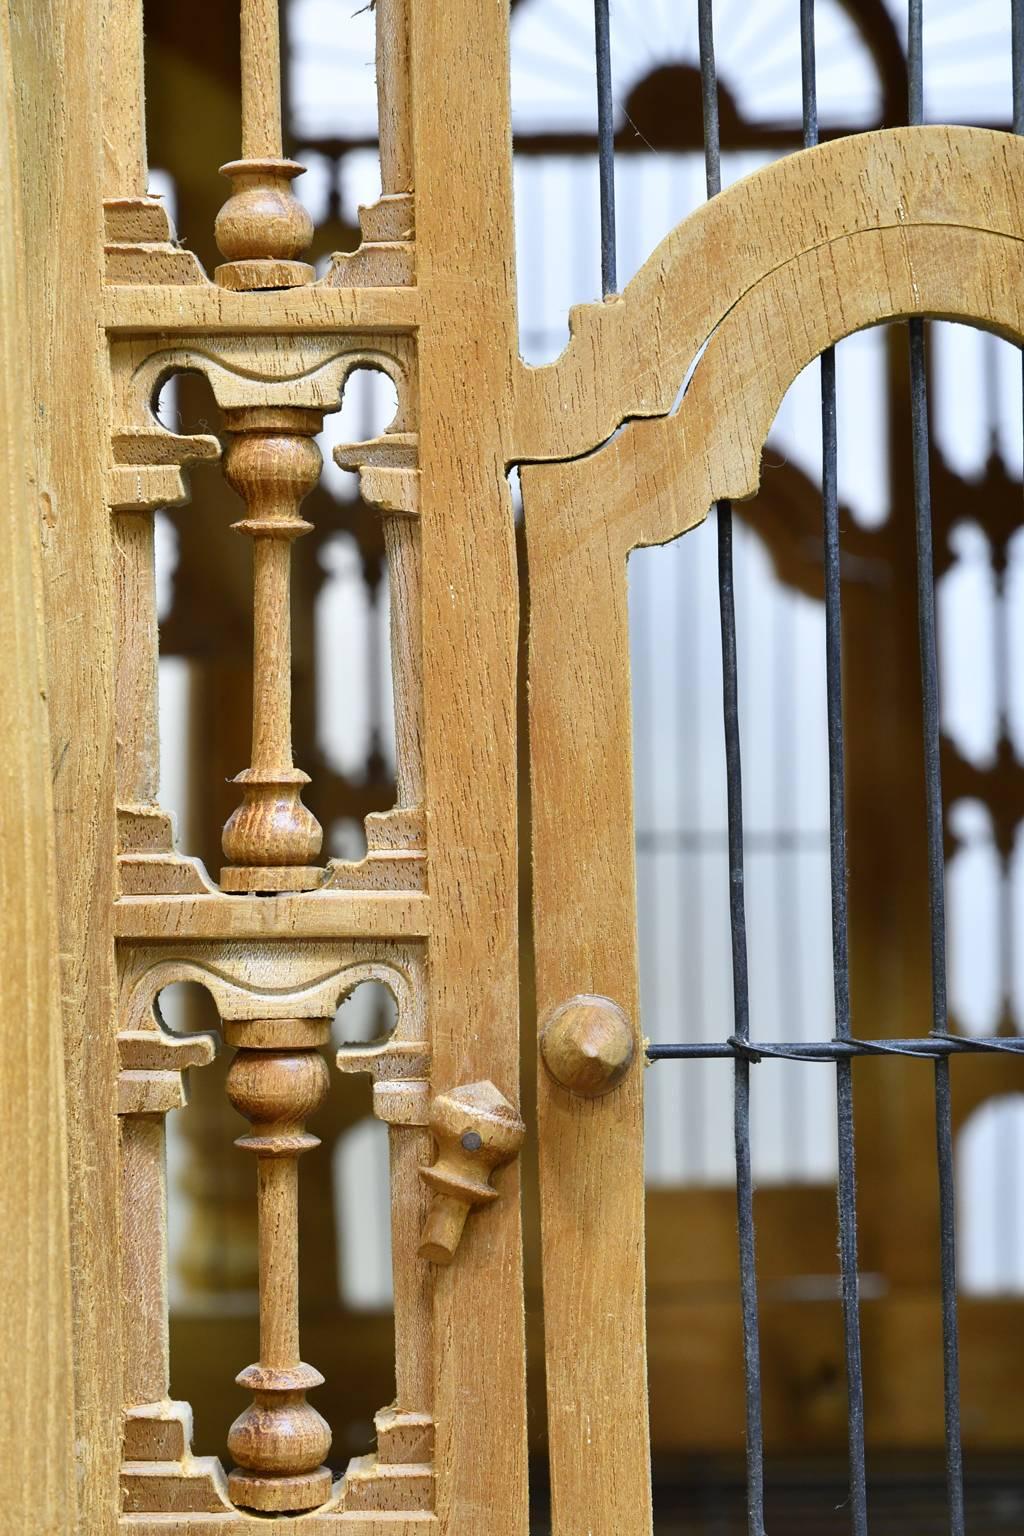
(587, 1045)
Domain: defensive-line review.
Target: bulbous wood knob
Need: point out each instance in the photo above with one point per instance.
(263, 228)
(477, 1130)
(587, 1045)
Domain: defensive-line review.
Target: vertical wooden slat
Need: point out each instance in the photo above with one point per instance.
(37, 1484)
(591, 1150)
(125, 173)
(467, 344)
(57, 65)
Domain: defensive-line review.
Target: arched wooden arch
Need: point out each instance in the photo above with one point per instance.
(925, 222)
(628, 356)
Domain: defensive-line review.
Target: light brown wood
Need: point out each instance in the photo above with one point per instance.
(932, 225)
(476, 1130)
(628, 356)
(333, 914)
(262, 228)
(925, 221)
(144, 308)
(37, 1471)
(55, 60)
(587, 1045)
(465, 277)
(337, 1523)
(280, 1441)
(273, 463)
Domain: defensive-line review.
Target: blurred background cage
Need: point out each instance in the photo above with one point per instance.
(344, 735)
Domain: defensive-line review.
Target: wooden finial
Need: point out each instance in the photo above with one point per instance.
(262, 227)
(280, 1441)
(271, 839)
(476, 1130)
(587, 1045)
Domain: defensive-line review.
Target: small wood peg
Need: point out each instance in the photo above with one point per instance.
(476, 1130)
(587, 1045)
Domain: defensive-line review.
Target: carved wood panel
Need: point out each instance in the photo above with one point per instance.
(891, 224)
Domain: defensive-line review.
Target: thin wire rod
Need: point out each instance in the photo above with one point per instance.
(737, 913)
(605, 144)
(846, 1183)
(930, 1047)
(936, 849)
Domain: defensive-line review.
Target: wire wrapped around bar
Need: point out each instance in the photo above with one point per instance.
(930, 1047)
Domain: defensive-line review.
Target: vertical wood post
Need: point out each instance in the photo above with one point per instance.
(37, 1470)
(272, 462)
(262, 228)
(393, 96)
(465, 265)
(58, 64)
(125, 172)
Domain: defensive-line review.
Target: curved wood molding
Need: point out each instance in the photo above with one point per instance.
(627, 357)
(917, 222)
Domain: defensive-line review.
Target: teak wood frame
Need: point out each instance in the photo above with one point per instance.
(924, 221)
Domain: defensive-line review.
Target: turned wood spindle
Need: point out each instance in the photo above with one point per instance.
(272, 462)
(262, 228)
(280, 1441)
(476, 1130)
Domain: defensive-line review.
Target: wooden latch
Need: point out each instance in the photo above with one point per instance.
(476, 1130)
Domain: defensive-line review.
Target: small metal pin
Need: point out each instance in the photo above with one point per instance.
(472, 1141)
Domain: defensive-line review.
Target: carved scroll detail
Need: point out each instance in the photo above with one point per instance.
(274, 393)
(275, 1000)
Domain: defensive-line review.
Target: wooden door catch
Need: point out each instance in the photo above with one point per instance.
(587, 1045)
(476, 1130)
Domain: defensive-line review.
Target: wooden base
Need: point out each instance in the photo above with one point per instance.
(247, 276)
(281, 1495)
(278, 877)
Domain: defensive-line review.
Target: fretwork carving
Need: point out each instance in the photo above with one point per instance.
(275, 1000)
(277, 970)
(273, 392)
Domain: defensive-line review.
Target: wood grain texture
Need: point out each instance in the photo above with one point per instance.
(628, 356)
(37, 1471)
(323, 915)
(340, 1523)
(57, 66)
(465, 276)
(142, 309)
(945, 241)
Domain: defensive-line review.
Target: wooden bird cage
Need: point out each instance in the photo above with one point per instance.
(512, 708)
